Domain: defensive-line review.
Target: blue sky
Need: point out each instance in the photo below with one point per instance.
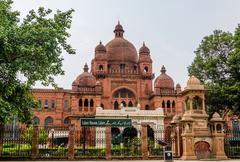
(172, 29)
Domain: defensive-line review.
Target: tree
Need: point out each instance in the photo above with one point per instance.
(217, 64)
(33, 49)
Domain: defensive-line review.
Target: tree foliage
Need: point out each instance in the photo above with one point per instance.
(32, 48)
(217, 64)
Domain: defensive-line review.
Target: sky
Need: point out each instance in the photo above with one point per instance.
(172, 29)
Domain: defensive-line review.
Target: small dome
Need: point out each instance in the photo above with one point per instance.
(85, 79)
(216, 118)
(178, 86)
(100, 48)
(144, 49)
(163, 81)
(118, 27)
(193, 81)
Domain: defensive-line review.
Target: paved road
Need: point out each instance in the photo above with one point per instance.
(235, 160)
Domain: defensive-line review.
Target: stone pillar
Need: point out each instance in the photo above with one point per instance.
(71, 141)
(108, 142)
(35, 138)
(218, 147)
(188, 150)
(144, 142)
(218, 137)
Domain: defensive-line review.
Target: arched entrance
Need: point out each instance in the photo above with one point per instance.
(116, 136)
(202, 150)
(128, 134)
(123, 96)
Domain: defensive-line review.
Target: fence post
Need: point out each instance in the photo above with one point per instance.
(144, 141)
(35, 140)
(108, 140)
(71, 142)
(1, 138)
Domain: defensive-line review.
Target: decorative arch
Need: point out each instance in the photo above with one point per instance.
(130, 104)
(202, 150)
(116, 136)
(85, 104)
(124, 87)
(197, 103)
(147, 107)
(128, 134)
(67, 121)
(124, 95)
(36, 120)
(124, 104)
(80, 104)
(48, 120)
(173, 104)
(100, 67)
(168, 104)
(163, 104)
(91, 104)
(145, 70)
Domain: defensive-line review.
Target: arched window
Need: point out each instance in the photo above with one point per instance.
(147, 107)
(135, 67)
(91, 104)
(48, 121)
(219, 128)
(123, 93)
(124, 103)
(145, 69)
(100, 67)
(85, 104)
(36, 121)
(197, 103)
(168, 104)
(115, 105)
(173, 104)
(163, 104)
(66, 121)
(130, 104)
(80, 103)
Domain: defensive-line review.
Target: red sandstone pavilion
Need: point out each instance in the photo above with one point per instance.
(119, 77)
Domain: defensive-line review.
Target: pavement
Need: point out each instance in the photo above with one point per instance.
(230, 160)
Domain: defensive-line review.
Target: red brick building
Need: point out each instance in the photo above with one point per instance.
(119, 75)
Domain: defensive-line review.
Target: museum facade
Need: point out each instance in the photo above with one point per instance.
(120, 79)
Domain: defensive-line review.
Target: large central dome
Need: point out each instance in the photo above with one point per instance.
(119, 49)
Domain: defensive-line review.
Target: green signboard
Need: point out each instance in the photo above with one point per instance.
(91, 122)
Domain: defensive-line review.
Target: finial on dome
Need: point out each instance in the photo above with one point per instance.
(143, 44)
(163, 69)
(85, 69)
(118, 30)
(100, 42)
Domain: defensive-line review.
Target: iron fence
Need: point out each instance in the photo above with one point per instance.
(53, 142)
(126, 143)
(15, 141)
(232, 143)
(90, 142)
